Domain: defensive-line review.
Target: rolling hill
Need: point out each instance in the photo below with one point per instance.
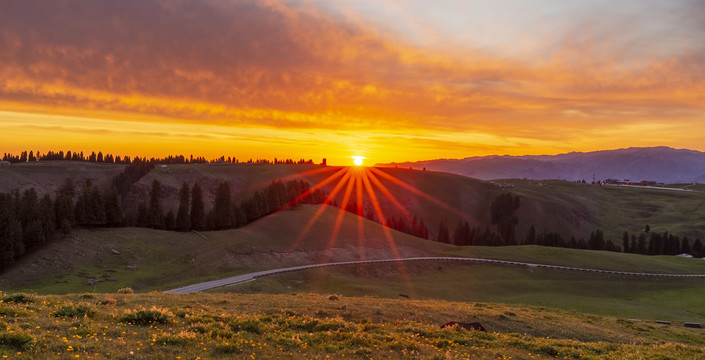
(47, 176)
(567, 208)
(659, 164)
(105, 260)
(147, 259)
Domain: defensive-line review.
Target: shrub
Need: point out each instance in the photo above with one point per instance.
(182, 338)
(126, 290)
(549, 350)
(146, 317)
(108, 301)
(74, 311)
(8, 311)
(227, 349)
(20, 298)
(16, 341)
(251, 326)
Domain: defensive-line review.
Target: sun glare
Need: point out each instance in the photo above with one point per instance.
(357, 160)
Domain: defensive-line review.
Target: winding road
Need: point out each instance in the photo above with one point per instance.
(254, 275)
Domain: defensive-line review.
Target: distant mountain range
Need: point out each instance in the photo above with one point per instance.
(660, 164)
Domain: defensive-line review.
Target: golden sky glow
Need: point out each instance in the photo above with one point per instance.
(335, 79)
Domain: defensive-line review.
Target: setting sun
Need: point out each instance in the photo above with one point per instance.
(357, 160)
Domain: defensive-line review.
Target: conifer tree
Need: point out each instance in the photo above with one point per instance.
(183, 222)
(531, 236)
(142, 215)
(156, 214)
(46, 217)
(95, 208)
(697, 248)
(221, 213)
(197, 214)
(8, 223)
(443, 234)
(63, 204)
(685, 245)
(170, 221)
(113, 211)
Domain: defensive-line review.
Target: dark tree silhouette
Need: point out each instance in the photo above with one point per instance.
(443, 234)
(198, 218)
(685, 246)
(156, 214)
(502, 215)
(113, 211)
(221, 213)
(170, 221)
(531, 236)
(183, 222)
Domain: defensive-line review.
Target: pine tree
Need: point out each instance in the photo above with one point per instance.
(625, 242)
(183, 222)
(63, 204)
(170, 221)
(685, 246)
(65, 227)
(113, 211)
(197, 214)
(531, 236)
(156, 214)
(142, 215)
(221, 213)
(443, 234)
(633, 246)
(642, 247)
(7, 235)
(697, 248)
(96, 208)
(46, 217)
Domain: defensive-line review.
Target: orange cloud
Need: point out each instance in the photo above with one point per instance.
(274, 65)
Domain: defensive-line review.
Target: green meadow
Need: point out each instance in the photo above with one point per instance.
(312, 326)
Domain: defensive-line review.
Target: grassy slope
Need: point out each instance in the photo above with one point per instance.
(320, 326)
(664, 299)
(47, 177)
(581, 208)
(470, 196)
(166, 260)
(243, 179)
(565, 207)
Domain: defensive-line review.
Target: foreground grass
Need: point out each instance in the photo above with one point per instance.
(208, 326)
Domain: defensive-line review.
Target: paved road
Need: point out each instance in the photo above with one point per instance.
(252, 276)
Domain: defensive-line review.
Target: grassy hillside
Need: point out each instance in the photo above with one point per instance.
(463, 198)
(568, 207)
(160, 326)
(159, 260)
(244, 179)
(152, 259)
(556, 206)
(48, 176)
(629, 297)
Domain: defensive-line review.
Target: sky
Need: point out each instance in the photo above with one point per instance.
(387, 80)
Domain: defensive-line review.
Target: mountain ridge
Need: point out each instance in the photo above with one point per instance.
(659, 164)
